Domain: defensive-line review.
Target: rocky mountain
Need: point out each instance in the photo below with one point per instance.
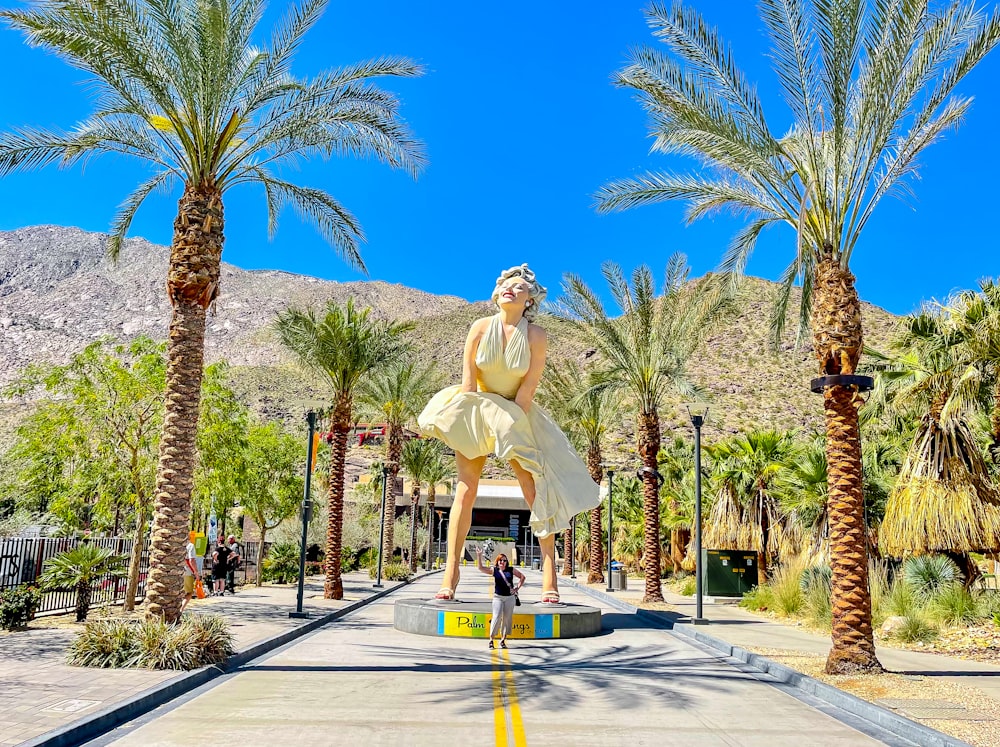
(58, 292)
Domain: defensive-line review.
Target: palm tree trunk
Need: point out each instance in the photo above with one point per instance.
(393, 452)
(341, 426)
(568, 549)
(132, 587)
(595, 572)
(649, 448)
(83, 590)
(192, 285)
(838, 341)
(414, 511)
(763, 556)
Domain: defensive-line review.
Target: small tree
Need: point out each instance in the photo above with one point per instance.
(79, 569)
(271, 483)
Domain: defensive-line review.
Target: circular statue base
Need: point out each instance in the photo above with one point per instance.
(457, 619)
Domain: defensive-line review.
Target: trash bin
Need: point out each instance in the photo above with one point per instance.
(619, 577)
(536, 565)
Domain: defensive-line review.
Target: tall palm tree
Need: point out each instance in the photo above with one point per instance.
(416, 459)
(645, 352)
(869, 89)
(342, 346)
(585, 412)
(439, 470)
(185, 88)
(396, 394)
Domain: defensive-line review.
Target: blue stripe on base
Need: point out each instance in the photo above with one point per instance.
(440, 622)
(543, 626)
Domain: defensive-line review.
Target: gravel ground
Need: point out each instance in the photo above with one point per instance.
(874, 687)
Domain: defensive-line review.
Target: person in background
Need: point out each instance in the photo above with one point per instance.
(234, 563)
(220, 566)
(504, 595)
(190, 569)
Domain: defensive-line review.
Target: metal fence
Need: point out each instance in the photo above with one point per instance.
(22, 560)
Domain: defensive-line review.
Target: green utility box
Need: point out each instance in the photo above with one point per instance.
(728, 573)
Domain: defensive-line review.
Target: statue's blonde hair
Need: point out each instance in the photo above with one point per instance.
(537, 291)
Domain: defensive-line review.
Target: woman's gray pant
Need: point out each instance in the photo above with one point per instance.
(503, 616)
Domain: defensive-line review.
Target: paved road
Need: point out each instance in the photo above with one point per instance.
(360, 682)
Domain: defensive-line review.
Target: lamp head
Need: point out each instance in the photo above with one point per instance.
(698, 412)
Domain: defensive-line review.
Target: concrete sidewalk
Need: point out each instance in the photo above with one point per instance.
(40, 693)
(953, 685)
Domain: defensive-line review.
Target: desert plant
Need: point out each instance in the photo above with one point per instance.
(760, 597)
(18, 606)
(787, 587)
(392, 572)
(281, 566)
(900, 601)
(916, 628)
(816, 576)
(195, 642)
(953, 605)
(817, 605)
(689, 586)
(927, 573)
(79, 569)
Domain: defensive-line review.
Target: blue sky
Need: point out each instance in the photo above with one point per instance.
(522, 125)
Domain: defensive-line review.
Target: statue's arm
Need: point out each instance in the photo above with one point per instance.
(469, 368)
(538, 344)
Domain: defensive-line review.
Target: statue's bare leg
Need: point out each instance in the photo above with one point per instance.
(460, 517)
(550, 582)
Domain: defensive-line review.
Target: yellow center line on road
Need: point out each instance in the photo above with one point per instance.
(505, 703)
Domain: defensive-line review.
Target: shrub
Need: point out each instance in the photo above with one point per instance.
(988, 604)
(817, 605)
(281, 566)
(392, 572)
(689, 586)
(916, 628)
(928, 573)
(953, 605)
(79, 569)
(787, 587)
(18, 606)
(901, 601)
(758, 598)
(814, 575)
(196, 641)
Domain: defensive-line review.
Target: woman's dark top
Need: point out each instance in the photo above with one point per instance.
(222, 555)
(500, 587)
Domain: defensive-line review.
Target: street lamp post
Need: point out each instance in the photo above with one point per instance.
(611, 483)
(381, 534)
(306, 511)
(698, 413)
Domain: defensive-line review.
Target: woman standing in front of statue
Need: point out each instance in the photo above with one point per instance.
(493, 411)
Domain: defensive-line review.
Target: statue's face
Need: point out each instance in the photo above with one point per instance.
(515, 291)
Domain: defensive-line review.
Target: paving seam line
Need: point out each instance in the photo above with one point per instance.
(882, 717)
(106, 719)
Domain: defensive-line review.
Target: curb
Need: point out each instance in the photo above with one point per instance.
(102, 721)
(833, 696)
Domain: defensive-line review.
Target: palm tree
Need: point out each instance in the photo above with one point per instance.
(185, 88)
(645, 353)
(439, 470)
(975, 316)
(943, 499)
(342, 346)
(869, 90)
(416, 458)
(752, 463)
(584, 411)
(396, 394)
(79, 569)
